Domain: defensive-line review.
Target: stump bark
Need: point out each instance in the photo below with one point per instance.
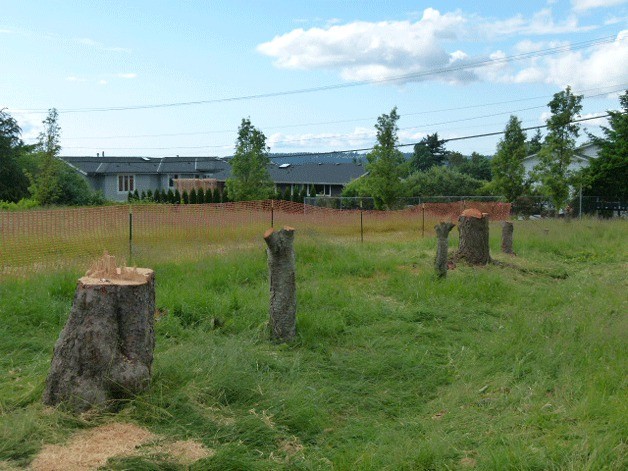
(473, 246)
(442, 235)
(282, 273)
(105, 351)
(507, 231)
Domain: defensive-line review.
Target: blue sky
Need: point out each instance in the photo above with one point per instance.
(423, 57)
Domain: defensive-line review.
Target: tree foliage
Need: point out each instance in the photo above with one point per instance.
(607, 176)
(429, 152)
(507, 165)
(442, 181)
(13, 181)
(477, 165)
(535, 143)
(250, 179)
(385, 163)
(553, 172)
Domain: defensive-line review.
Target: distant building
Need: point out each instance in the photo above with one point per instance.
(581, 159)
(115, 177)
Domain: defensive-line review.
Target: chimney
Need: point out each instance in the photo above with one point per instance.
(97, 154)
(103, 153)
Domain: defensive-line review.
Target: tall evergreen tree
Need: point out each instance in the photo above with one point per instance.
(507, 165)
(384, 163)
(47, 188)
(429, 152)
(553, 172)
(193, 196)
(200, 196)
(250, 178)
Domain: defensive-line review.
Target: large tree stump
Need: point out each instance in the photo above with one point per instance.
(473, 246)
(507, 231)
(105, 350)
(283, 296)
(442, 234)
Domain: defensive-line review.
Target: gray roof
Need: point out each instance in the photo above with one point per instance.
(214, 167)
(320, 173)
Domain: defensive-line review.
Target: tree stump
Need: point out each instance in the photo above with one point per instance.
(473, 228)
(105, 350)
(442, 234)
(507, 231)
(282, 272)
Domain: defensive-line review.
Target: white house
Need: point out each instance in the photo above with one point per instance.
(582, 158)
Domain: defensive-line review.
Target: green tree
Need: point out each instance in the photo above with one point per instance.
(607, 176)
(13, 181)
(177, 197)
(442, 181)
(185, 197)
(193, 196)
(250, 179)
(535, 143)
(384, 163)
(170, 196)
(200, 196)
(507, 165)
(47, 189)
(429, 152)
(553, 172)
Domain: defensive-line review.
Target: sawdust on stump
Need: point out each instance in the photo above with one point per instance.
(92, 448)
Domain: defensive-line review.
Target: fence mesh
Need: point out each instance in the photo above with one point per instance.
(35, 240)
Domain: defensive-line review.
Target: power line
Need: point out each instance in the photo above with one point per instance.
(483, 105)
(346, 151)
(333, 136)
(404, 77)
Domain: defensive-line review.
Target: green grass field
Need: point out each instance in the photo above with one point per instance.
(521, 367)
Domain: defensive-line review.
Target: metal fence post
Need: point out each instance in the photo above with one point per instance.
(130, 234)
(423, 220)
(272, 213)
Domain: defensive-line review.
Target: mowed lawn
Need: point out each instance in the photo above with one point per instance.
(521, 366)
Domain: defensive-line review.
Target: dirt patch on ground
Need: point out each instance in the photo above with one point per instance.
(91, 449)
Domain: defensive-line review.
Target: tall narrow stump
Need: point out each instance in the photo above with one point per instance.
(507, 231)
(442, 235)
(283, 296)
(105, 350)
(473, 228)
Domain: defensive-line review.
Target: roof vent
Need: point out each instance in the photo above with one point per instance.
(284, 166)
(145, 158)
(320, 163)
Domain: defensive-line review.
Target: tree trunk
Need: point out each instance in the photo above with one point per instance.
(105, 350)
(442, 234)
(507, 230)
(282, 271)
(473, 229)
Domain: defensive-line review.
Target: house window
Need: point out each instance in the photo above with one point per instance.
(126, 183)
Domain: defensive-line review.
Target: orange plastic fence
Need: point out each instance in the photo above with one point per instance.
(39, 239)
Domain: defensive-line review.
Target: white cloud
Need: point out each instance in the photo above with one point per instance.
(370, 51)
(583, 5)
(605, 64)
(73, 78)
(595, 122)
(541, 23)
(102, 82)
(376, 51)
(127, 76)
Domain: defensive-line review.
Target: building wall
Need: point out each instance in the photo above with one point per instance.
(141, 183)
